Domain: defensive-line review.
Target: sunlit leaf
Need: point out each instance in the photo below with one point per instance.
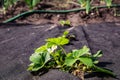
(30, 67)
(41, 49)
(58, 41)
(65, 33)
(62, 22)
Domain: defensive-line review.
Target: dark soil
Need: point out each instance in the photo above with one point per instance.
(76, 18)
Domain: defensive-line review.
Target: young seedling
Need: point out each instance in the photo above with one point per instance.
(53, 55)
(65, 23)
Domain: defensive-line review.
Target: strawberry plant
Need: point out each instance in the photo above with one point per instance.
(53, 55)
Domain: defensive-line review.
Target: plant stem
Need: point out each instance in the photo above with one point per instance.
(63, 49)
(99, 69)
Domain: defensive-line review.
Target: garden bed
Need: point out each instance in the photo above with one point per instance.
(76, 18)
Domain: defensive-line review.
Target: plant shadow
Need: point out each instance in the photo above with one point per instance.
(39, 72)
(104, 64)
(99, 74)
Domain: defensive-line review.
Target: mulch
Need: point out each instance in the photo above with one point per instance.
(18, 42)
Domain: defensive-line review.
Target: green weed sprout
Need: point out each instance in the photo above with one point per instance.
(65, 22)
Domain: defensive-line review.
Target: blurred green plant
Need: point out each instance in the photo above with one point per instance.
(85, 4)
(65, 22)
(53, 55)
(88, 4)
(108, 3)
(32, 3)
(8, 3)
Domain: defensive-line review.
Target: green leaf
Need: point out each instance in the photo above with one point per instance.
(81, 52)
(62, 22)
(39, 60)
(41, 49)
(49, 44)
(36, 58)
(8, 3)
(45, 57)
(88, 6)
(29, 3)
(30, 67)
(78, 55)
(96, 62)
(58, 41)
(87, 61)
(82, 2)
(108, 2)
(65, 33)
(34, 67)
(32, 3)
(70, 61)
(65, 22)
(35, 2)
(98, 54)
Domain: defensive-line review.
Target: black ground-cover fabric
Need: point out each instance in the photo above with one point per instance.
(105, 37)
(18, 42)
